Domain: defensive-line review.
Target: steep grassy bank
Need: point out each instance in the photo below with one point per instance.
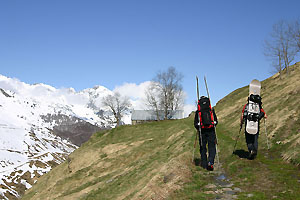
(130, 162)
(275, 173)
(270, 176)
(266, 177)
(281, 101)
(153, 160)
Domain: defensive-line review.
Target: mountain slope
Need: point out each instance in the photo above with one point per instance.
(274, 174)
(130, 162)
(39, 126)
(28, 148)
(281, 102)
(153, 160)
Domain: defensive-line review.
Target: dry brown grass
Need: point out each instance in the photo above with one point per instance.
(164, 180)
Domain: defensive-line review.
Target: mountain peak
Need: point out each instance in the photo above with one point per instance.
(40, 126)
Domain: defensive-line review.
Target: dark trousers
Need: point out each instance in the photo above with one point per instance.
(252, 141)
(209, 139)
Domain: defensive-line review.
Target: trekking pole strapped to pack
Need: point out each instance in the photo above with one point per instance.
(214, 125)
(198, 133)
(199, 117)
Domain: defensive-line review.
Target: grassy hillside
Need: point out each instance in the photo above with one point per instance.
(275, 173)
(281, 102)
(153, 160)
(130, 162)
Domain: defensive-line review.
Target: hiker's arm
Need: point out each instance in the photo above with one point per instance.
(196, 120)
(262, 114)
(243, 112)
(215, 117)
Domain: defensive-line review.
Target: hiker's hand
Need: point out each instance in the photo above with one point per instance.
(266, 116)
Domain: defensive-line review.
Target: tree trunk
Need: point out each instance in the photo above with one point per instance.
(280, 69)
(166, 107)
(166, 111)
(157, 113)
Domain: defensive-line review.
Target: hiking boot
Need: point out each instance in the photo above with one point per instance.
(210, 167)
(252, 154)
(204, 166)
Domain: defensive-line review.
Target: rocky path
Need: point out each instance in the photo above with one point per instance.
(221, 187)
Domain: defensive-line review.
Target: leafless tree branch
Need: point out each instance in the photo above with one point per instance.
(117, 104)
(280, 46)
(168, 93)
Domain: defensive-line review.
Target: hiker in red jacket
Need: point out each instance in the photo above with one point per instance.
(205, 120)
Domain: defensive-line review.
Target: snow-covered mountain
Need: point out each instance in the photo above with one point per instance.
(40, 125)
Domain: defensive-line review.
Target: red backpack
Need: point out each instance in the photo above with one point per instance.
(205, 113)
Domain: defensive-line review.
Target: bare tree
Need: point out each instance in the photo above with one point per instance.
(294, 30)
(169, 91)
(297, 34)
(152, 98)
(280, 46)
(178, 100)
(273, 51)
(117, 104)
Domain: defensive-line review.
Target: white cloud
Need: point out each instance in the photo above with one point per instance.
(135, 92)
(137, 95)
(188, 108)
(49, 94)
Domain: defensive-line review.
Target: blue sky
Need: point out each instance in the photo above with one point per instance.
(79, 44)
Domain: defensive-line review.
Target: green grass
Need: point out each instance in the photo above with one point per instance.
(146, 150)
(195, 188)
(266, 176)
(153, 160)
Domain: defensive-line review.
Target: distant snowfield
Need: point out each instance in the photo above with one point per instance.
(26, 140)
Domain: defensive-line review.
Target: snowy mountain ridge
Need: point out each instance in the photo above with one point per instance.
(30, 116)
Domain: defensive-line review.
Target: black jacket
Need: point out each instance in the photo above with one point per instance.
(196, 119)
